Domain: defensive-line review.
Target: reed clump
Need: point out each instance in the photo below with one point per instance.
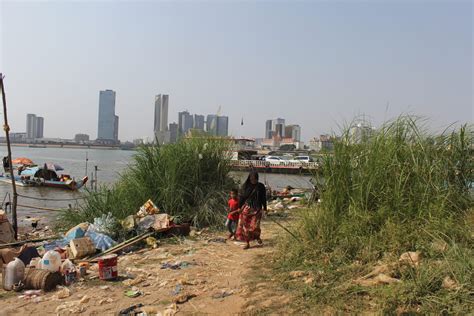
(188, 180)
(401, 189)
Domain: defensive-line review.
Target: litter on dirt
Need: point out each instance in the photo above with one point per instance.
(132, 293)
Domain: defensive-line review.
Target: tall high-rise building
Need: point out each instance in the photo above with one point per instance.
(268, 129)
(279, 127)
(173, 129)
(275, 127)
(161, 113)
(211, 124)
(293, 132)
(185, 122)
(199, 122)
(39, 127)
(31, 126)
(108, 121)
(222, 126)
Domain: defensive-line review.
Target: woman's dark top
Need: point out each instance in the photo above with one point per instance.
(257, 200)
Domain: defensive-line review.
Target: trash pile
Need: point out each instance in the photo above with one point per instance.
(86, 247)
(287, 199)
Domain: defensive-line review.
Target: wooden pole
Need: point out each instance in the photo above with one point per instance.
(6, 128)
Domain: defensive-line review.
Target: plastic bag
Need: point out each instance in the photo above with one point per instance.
(101, 241)
(105, 224)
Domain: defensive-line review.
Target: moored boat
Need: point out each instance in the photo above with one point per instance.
(44, 177)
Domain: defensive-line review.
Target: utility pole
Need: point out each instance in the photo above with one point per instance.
(6, 128)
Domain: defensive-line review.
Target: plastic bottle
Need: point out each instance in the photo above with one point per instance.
(67, 266)
(51, 261)
(13, 273)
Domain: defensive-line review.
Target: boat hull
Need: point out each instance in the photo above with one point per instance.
(38, 182)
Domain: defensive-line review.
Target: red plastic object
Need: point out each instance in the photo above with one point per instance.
(108, 267)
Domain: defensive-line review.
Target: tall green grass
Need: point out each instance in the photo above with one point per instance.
(402, 189)
(189, 180)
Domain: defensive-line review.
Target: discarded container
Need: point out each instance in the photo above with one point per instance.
(82, 247)
(69, 277)
(38, 279)
(34, 263)
(13, 273)
(108, 267)
(67, 265)
(51, 261)
(82, 271)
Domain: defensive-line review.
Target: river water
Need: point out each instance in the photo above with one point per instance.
(110, 164)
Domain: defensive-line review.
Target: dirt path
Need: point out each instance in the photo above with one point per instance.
(215, 277)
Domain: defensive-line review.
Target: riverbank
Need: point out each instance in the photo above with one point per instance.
(70, 146)
(219, 278)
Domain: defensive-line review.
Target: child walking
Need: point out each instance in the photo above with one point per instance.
(233, 215)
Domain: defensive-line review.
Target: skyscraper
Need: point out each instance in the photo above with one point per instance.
(222, 126)
(108, 121)
(31, 126)
(275, 127)
(173, 129)
(39, 127)
(185, 122)
(199, 122)
(268, 129)
(293, 132)
(211, 124)
(161, 113)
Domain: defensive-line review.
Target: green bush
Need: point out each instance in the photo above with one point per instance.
(189, 180)
(399, 190)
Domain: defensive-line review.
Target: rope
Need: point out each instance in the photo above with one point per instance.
(48, 199)
(41, 208)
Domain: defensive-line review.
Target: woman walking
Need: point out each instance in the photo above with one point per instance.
(253, 201)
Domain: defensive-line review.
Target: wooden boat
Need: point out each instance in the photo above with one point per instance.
(40, 177)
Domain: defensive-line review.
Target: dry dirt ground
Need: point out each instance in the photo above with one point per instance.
(216, 277)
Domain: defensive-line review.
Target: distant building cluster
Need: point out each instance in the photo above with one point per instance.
(165, 133)
(322, 143)
(82, 138)
(360, 133)
(278, 134)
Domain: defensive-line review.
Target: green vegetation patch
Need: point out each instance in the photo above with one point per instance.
(189, 180)
(400, 190)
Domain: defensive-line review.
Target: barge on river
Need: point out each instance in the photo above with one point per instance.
(302, 168)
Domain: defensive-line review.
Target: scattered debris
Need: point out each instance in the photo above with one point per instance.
(450, 284)
(222, 294)
(377, 280)
(106, 301)
(63, 293)
(412, 258)
(135, 281)
(132, 293)
(151, 242)
(297, 274)
(217, 240)
(176, 265)
(177, 289)
(129, 310)
(308, 280)
(183, 298)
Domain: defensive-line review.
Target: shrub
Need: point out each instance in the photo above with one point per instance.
(188, 180)
(399, 190)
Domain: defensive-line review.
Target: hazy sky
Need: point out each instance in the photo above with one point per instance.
(313, 63)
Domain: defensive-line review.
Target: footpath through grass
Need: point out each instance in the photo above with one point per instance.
(400, 190)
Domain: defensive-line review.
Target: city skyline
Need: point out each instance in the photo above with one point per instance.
(326, 64)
